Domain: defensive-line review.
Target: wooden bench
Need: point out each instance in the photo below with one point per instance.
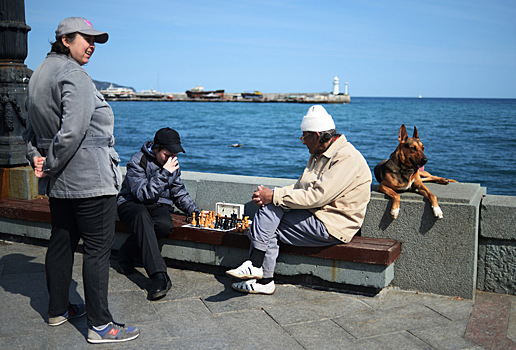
(381, 253)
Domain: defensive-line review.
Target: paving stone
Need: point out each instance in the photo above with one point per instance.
(452, 308)
(16, 307)
(202, 288)
(449, 307)
(455, 310)
(489, 321)
(131, 282)
(10, 326)
(191, 321)
(17, 263)
(186, 317)
(393, 341)
(323, 334)
(23, 296)
(32, 341)
(367, 323)
(188, 276)
(69, 335)
(203, 311)
(153, 335)
(511, 329)
(446, 338)
(254, 329)
(317, 309)
(131, 307)
(230, 300)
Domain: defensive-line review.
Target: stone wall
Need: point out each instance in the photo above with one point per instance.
(472, 247)
(497, 245)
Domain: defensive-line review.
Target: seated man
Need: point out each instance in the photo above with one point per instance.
(326, 206)
(150, 188)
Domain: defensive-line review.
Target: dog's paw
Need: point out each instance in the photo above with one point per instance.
(438, 213)
(395, 213)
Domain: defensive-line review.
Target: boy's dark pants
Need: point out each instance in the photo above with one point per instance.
(148, 223)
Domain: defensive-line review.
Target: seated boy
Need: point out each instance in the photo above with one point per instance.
(150, 188)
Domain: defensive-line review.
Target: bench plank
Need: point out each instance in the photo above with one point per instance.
(361, 249)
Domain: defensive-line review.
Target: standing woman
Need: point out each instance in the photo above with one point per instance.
(70, 142)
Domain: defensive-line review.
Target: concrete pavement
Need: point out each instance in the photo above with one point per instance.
(201, 311)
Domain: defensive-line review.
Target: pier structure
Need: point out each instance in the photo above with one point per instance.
(198, 94)
(317, 98)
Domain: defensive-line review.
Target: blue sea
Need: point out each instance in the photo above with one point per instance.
(469, 140)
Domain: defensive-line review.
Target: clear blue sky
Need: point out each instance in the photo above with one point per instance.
(398, 48)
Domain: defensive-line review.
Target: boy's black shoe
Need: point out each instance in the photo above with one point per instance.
(160, 285)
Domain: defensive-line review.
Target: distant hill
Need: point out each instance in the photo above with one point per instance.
(102, 85)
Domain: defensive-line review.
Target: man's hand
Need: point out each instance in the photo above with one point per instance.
(172, 164)
(38, 166)
(262, 196)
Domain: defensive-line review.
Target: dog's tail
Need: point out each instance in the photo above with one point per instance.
(378, 170)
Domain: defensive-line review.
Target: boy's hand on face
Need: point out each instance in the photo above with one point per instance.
(172, 164)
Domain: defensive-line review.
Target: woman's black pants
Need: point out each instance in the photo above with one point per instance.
(93, 220)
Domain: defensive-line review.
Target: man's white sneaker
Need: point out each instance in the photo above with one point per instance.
(252, 287)
(246, 271)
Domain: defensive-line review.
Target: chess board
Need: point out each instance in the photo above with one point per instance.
(208, 228)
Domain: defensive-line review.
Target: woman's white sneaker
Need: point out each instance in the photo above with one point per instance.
(246, 271)
(252, 287)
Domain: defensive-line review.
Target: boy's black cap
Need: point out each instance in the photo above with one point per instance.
(169, 138)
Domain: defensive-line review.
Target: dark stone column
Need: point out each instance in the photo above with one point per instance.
(14, 79)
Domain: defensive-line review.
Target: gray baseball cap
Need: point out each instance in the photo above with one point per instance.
(81, 25)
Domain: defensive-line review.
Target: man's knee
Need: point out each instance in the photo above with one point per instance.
(163, 227)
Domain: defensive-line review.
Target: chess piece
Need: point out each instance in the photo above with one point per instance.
(194, 222)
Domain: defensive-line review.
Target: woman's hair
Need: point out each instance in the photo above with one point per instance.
(58, 46)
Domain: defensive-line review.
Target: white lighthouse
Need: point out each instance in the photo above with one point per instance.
(336, 85)
(346, 88)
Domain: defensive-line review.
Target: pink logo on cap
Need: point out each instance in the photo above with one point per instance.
(88, 23)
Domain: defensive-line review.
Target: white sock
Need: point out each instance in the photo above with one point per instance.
(99, 328)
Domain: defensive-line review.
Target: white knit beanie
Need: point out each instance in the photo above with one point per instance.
(317, 119)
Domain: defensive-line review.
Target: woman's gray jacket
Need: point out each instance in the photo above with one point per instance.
(71, 125)
(147, 182)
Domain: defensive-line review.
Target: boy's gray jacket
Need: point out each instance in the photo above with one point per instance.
(71, 125)
(148, 182)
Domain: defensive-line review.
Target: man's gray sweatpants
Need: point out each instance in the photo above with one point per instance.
(297, 227)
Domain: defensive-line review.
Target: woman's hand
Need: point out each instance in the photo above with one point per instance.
(262, 196)
(38, 166)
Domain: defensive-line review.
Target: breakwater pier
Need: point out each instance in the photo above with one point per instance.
(312, 98)
(198, 94)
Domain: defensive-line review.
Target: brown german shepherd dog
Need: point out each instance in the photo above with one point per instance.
(403, 171)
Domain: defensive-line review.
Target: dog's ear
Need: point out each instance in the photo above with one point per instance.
(402, 136)
(415, 136)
